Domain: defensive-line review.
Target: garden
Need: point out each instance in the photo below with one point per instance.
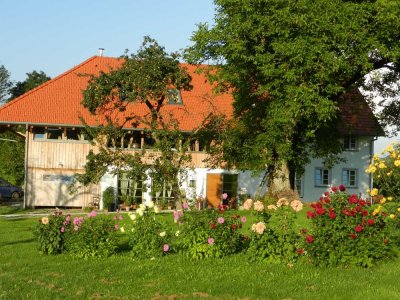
(340, 247)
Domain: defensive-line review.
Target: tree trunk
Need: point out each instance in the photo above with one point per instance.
(278, 180)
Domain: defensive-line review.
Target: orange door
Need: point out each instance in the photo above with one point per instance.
(214, 189)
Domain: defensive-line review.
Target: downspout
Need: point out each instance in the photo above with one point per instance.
(371, 160)
(26, 163)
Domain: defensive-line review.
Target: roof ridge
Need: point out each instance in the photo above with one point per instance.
(48, 82)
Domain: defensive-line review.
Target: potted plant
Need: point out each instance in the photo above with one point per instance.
(109, 199)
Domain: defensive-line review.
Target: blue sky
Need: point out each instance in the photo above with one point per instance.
(53, 36)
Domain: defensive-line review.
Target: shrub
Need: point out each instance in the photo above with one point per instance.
(108, 197)
(147, 237)
(386, 172)
(50, 233)
(347, 230)
(273, 237)
(212, 233)
(93, 236)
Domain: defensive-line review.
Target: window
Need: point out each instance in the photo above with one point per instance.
(299, 184)
(321, 177)
(39, 133)
(130, 190)
(73, 134)
(54, 133)
(229, 185)
(174, 97)
(350, 143)
(349, 177)
(162, 195)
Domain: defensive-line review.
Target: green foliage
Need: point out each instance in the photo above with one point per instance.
(274, 238)
(148, 235)
(211, 234)
(48, 233)
(12, 157)
(288, 63)
(108, 196)
(93, 236)
(346, 231)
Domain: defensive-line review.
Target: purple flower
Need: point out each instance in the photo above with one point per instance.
(166, 248)
(221, 220)
(243, 219)
(210, 241)
(224, 196)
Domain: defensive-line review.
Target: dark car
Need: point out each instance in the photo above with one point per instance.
(7, 190)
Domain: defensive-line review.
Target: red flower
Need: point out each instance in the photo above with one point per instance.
(303, 231)
(334, 189)
(300, 251)
(326, 194)
(362, 202)
(233, 226)
(365, 213)
(342, 188)
(371, 222)
(310, 215)
(385, 241)
(332, 215)
(359, 228)
(309, 239)
(212, 226)
(384, 214)
(320, 210)
(358, 208)
(353, 199)
(353, 236)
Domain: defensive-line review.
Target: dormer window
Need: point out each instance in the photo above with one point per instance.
(350, 143)
(174, 97)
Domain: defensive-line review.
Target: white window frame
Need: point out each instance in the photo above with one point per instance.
(346, 177)
(320, 181)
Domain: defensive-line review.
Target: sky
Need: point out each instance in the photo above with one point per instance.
(53, 35)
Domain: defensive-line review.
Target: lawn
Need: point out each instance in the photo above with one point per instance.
(24, 274)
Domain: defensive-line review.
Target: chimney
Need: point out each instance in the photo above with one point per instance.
(101, 51)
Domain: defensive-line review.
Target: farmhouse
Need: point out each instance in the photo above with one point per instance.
(57, 146)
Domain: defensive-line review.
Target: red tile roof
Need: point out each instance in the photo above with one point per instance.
(58, 101)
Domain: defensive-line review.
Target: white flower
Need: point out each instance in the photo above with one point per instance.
(162, 234)
(177, 233)
(248, 204)
(271, 207)
(157, 209)
(150, 204)
(122, 229)
(258, 206)
(139, 211)
(132, 216)
(142, 206)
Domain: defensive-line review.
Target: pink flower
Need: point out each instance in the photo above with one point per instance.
(76, 227)
(67, 218)
(185, 206)
(248, 204)
(258, 206)
(76, 221)
(166, 248)
(258, 227)
(116, 226)
(224, 196)
(243, 219)
(121, 217)
(210, 241)
(221, 220)
(62, 229)
(296, 205)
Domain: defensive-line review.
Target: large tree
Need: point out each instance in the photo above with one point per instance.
(288, 63)
(146, 81)
(5, 83)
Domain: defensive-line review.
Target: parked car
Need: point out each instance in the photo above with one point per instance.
(8, 190)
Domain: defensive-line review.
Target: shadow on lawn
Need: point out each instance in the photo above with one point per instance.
(2, 244)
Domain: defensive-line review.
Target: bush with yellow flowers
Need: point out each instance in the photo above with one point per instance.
(386, 172)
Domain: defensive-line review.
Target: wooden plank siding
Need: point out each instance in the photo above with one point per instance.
(52, 162)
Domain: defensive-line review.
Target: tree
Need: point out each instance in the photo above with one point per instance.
(288, 64)
(5, 83)
(33, 80)
(146, 78)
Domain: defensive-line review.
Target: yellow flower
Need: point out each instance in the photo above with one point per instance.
(376, 157)
(371, 169)
(389, 148)
(382, 165)
(389, 173)
(393, 155)
(45, 220)
(383, 200)
(377, 210)
(397, 162)
(398, 209)
(389, 198)
(374, 192)
(392, 216)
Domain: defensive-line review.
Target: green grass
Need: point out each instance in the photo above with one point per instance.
(24, 274)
